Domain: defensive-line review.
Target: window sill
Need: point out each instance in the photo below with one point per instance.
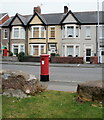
(5, 38)
(37, 38)
(88, 38)
(51, 38)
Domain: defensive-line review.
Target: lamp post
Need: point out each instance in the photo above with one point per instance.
(98, 51)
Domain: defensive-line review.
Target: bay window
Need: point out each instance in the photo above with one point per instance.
(17, 48)
(70, 31)
(37, 32)
(71, 50)
(18, 33)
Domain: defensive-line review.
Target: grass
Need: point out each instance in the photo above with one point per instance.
(50, 104)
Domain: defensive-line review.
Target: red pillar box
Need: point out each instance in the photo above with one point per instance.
(5, 52)
(44, 75)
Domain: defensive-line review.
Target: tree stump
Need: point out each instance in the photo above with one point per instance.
(91, 91)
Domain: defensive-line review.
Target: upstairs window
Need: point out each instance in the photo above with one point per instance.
(5, 34)
(18, 33)
(101, 32)
(52, 32)
(70, 31)
(37, 32)
(88, 32)
(77, 31)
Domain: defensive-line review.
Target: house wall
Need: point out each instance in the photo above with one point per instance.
(70, 19)
(36, 20)
(16, 22)
(5, 42)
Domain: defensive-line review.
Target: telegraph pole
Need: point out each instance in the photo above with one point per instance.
(98, 52)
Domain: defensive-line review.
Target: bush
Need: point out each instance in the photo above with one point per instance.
(10, 53)
(21, 56)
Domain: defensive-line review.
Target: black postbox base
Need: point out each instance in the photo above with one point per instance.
(44, 78)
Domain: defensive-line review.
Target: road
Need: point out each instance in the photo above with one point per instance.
(62, 74)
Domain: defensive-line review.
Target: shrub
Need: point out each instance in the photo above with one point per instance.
(21, 56)
(10, 53)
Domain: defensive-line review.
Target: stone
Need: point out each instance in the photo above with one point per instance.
(91, 91)
(19, 84)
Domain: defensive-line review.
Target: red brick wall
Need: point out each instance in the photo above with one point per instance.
(94, 60)
(71, 60)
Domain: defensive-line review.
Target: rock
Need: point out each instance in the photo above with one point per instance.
(20, 83)
(15, 93)
(91, 91)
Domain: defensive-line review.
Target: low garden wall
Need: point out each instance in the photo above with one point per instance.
(71, 60)
(31, 59)
(10, 58)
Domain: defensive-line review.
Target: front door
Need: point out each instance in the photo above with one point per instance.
(101, 57)
(88, 55)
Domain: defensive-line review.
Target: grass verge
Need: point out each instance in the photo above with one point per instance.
(49, 104)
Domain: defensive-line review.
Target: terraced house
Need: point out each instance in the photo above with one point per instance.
(68, 34)
(4, 33)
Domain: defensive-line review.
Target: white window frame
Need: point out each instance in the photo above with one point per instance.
(101, 30)
(39, 48)
(19, 48)
(87, 29)
(74, 31)
(40, 30)
(64, 53)
(20, 36)
(5, 31)
(51, 30)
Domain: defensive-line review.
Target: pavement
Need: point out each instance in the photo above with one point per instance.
(54, 64)
(57, 85)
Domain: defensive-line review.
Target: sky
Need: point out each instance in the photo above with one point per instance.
(25, 7)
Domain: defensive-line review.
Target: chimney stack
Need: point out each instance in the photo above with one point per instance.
(65, 9)
(37, 9)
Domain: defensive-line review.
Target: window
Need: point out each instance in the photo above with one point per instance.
(88, 32)
(36, 50)
(15, 49)
(70, 50)
(63, 50)
(101, 32)
(21, 48)
(18, 33)
(42, 49)
(52, 32)
(77, 31)
(77, 51)
(102, 53)
(37, 32)
(42, 32)
(22, 33)
(70, 31)
(88, 52)
(5, 34)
